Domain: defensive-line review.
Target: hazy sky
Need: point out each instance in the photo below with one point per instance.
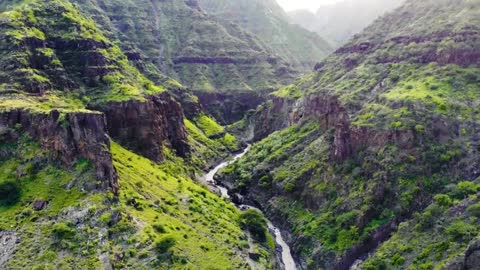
(312, 5)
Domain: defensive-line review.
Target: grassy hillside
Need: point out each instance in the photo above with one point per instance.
(69, 199)
(54, 57)
(158, 220)
(382, 125)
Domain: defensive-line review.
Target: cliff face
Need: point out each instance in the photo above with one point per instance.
(75, 136)
(272, 116)
(228, 108)
(146, 127)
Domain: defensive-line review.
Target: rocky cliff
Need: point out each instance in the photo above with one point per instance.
(147, 127)
(69, 137)
(228, 108)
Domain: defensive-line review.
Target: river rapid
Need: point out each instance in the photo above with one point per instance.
(286, 255)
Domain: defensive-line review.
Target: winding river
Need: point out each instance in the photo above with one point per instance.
(287, 258)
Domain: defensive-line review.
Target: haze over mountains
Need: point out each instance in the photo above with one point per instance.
(271, 25)
(340, 21)
(363, 154)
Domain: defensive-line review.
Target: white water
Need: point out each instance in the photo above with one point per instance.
(287, 258)
(211, 174)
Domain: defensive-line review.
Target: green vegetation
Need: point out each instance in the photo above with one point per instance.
(58, 58)
(160, 212)
(164, 244)
(382, 129)
(255, 223)
(434, 246)
(195, 48)
(179, 214)
(207, 148)
(26, 183)
(10, 192)
(62, 231)
(269, 23)
(383, 132)
(107, 77)
(209, 126)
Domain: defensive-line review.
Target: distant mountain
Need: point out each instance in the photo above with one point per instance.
(185, 43)
(229, 68)
(270, 24)
(339, 22)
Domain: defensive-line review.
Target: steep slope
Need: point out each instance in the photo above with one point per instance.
(187, 44)
(267, 20)
(179, 39)
(72, 198)
(330, 20)
(382, 125)
(444, 236)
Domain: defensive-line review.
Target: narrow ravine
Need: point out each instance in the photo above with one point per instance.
(286, 255)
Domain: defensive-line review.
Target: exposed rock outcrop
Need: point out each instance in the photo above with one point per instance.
(273, 115)
(229, 107)
(146, 126)
(279, 113)
(472, 256)
(8, 241)
(68, 136)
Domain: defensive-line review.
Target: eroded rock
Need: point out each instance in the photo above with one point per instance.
(77, 134)
(147, 126)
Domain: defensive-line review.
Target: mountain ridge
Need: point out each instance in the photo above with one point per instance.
(268, 21)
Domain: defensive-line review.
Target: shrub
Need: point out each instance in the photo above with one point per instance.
(460, 229)
(165, 244)
(398, 260)
(255, 223)
(429, 217)
(346, 238)
(62, 231)
(426, 266)
(347, 219)
(159, 228)
(265, 181)
(464, 189)
(289, 187)
(374, 263)
(132, 252)
(420, 129)
(474, 209)
(443, 200)
(10, 192)
(105, 218)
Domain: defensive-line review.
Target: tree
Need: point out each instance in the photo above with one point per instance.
(10, 192)
(255, 223)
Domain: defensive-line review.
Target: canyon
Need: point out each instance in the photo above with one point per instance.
(216, 134)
